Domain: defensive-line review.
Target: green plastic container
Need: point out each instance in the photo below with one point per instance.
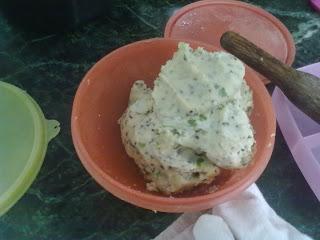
(24, 136)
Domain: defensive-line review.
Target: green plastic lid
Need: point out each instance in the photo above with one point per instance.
(24, 136)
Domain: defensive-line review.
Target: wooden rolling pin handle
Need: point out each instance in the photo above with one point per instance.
(301, 88)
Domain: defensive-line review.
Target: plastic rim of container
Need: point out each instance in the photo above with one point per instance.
(44, 131)
(194, 14)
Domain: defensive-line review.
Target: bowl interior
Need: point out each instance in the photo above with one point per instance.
(103, 96)
(16, 136)
(23, 143)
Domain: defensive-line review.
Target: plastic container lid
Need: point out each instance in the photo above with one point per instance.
(207, 20)
(301, 133)
(315, 4)
(24, 135)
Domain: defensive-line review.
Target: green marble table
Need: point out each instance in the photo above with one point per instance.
(65, 202)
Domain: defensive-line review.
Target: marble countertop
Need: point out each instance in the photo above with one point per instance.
(64, 202)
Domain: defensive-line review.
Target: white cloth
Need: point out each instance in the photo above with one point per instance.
(246, 217)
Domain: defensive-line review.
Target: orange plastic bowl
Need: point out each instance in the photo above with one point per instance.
(101, 99)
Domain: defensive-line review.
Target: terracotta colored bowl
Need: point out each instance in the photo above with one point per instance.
(207, 20)
(101, 99)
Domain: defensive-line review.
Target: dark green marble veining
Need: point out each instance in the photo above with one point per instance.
(64, 202)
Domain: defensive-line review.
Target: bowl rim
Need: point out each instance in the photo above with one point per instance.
(122, 191)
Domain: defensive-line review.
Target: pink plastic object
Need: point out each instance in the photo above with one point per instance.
(315, 4)
(301, 133)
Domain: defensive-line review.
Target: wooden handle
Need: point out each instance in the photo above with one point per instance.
(258, 59)
(301, 88)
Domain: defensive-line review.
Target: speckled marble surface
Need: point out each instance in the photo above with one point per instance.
(64, 202)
